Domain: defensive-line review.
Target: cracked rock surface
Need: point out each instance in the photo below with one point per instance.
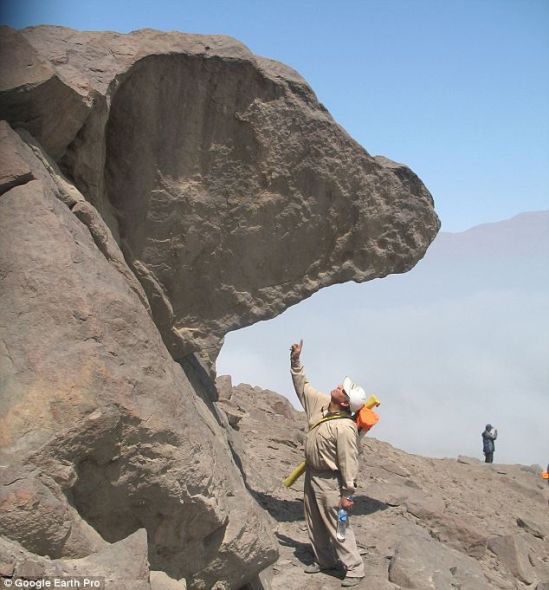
(229, 188)
(102, 433)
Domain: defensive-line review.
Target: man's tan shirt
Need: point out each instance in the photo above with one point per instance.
(332, 446)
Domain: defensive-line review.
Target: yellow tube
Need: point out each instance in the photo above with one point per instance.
(295, 474)
(372, 402)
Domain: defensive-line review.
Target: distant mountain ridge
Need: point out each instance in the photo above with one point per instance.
(523, 238)
(519, 226)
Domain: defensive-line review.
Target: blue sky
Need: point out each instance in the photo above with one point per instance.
(458, 90)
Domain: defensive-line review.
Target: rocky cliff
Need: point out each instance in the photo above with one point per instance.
(157, 191)
(421, 523)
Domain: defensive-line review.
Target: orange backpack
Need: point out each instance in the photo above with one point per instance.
(366, 418)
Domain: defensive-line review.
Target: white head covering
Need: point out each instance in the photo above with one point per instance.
(357, 395)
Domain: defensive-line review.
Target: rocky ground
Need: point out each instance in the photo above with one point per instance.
(421, 523)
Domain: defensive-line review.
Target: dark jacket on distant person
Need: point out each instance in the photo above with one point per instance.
(488, 437)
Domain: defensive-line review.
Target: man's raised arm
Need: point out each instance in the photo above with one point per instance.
(296, 369)
(307, 394)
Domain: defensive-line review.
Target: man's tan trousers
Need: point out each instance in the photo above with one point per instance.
(321, 507)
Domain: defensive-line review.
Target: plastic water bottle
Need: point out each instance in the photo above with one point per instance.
(342, 523)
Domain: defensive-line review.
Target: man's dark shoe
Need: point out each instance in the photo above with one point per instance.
(349, 582)
(314, 568)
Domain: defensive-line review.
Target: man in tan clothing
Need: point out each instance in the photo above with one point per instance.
(331, 452)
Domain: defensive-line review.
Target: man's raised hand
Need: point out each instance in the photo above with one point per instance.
(295, 352)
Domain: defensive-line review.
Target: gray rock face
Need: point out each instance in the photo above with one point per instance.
(123, 565)
(99, 425)
(513, 551)
(30, 86)
(232, 192)
(36, 513)
(427, 565)
(156, 191)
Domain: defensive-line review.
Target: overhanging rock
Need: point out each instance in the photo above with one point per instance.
(230, 189)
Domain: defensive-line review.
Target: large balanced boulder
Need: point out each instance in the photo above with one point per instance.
(230, 189)
(158, 190)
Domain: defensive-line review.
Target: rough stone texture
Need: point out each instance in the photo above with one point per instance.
(35, 512)
(122, 565)
(98, 424)
(421, 523)
(468, 460)
(532, 527)
(210, 165)
(13, 168)
(30, 86)
(420, 562)
(513, 551)
(161, 581)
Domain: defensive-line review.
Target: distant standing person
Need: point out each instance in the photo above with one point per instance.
(488, 437)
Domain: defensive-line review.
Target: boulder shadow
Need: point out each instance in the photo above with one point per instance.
(280, 510)
(364, 505)
(292, 510)
(302, 551)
